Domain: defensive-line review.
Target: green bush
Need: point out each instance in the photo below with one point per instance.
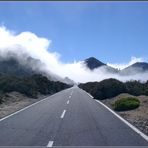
(124, 104)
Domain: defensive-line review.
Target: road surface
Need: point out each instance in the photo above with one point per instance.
(68, 118)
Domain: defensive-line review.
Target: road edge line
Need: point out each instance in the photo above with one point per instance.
(50, 144)
(125, 121)
(88, 94)
(26, 107)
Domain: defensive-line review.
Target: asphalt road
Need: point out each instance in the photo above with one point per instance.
(68, 118)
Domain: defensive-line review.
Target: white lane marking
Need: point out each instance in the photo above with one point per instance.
(68, 102)
(90, 95)
(63, 114)
(69, 96)
(71, 93)
(126, 122)
(26, 107)
(50, 143)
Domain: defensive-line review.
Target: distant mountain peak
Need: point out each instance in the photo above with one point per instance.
(135, 68)
(142, 65)
(139, 64)
(93, 63)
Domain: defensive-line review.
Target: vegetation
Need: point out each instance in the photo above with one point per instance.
(111, 87)
(1, 98)
(19, 76)
(104, 89)
(126, 104)
(30, 85)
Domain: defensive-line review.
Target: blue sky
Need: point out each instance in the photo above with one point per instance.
(110, 31)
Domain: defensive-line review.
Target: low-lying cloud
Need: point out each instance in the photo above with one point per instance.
(124, 65)
(28, 43)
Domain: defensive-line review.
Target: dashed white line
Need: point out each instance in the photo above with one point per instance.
(71, 93)
(63, 114)
(50, 144)
(69, 96)
(68, 102)
(47, 98)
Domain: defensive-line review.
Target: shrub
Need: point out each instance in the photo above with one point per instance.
(105, 89)
(135, 88)
(1, 97)
(1, 100)
(124, 104)
(30, 85)
(111, 87)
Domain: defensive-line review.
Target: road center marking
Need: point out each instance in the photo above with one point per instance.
(69, 96)
(50, 143)
(29, 106)
(68, 102)
(63, 114)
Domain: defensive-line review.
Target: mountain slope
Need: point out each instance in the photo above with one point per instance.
(12, 67)
(93, 63)
(138, 67)
(26, 77)
(24, 66)
(135, 68)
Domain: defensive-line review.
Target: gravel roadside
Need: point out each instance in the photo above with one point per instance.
(138, 117)
(15, 101)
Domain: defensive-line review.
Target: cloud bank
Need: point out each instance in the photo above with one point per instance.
(124, 65)
(29, 44)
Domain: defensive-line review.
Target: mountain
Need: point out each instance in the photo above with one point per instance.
(28, 66)
(93, 63)
(12, 67)
(24, 66)
(138, 67)
(135, 68)
(26, 76)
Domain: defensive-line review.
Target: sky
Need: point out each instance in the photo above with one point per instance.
(113, 32)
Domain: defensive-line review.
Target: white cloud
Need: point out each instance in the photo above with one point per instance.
(124, 65)
(37, 47)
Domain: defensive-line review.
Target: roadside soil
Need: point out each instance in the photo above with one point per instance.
(15, 101)
(138, 117)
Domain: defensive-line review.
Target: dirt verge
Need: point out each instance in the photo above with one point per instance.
(138, 117)
(15, 101)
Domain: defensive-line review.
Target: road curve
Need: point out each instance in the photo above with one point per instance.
(68, 118)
